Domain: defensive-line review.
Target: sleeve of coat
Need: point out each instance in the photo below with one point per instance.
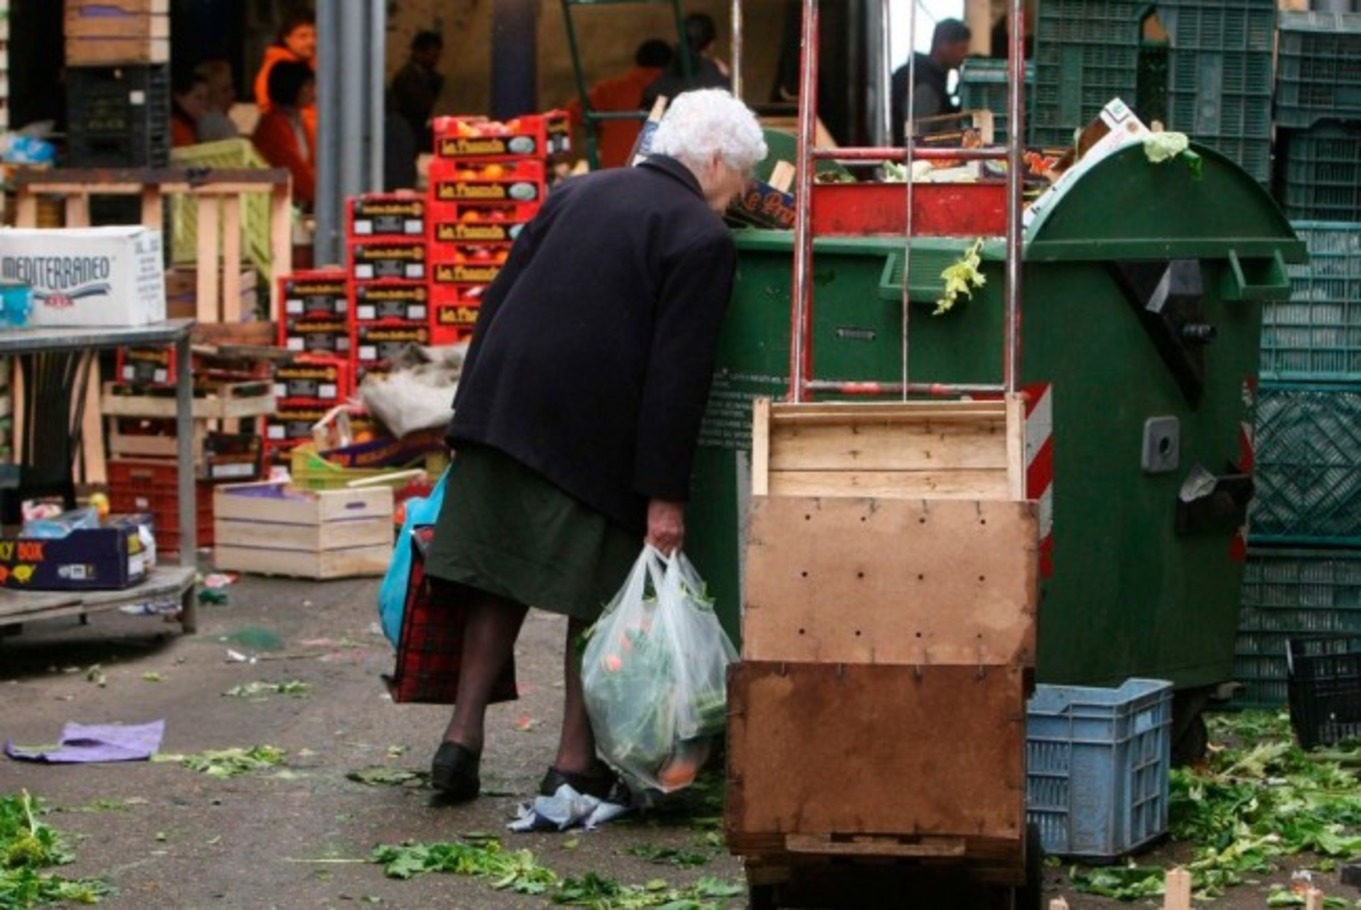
(693, 300)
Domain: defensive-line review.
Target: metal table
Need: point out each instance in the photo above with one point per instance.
(171, 332)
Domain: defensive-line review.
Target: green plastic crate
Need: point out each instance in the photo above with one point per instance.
(1307, 469)
(983, 86)
(1290, 593)
(1318, 73)
(1220, 25)
(1321, 176)
(1316, 335)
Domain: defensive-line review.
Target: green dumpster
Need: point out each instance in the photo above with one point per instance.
(1142, 285)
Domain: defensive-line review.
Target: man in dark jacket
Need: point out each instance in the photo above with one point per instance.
(706, 69)
(578, 412)
(930, 74)
(417, 86)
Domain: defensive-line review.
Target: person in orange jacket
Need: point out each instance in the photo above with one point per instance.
(281, 135)
(297, 43)
(615, 138)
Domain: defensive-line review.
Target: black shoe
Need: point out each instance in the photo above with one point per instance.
(598, 782)
(454, 773)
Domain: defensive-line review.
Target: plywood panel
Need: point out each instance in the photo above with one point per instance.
(889, 446)
(875, 581)
(942, 484)
(845, 749)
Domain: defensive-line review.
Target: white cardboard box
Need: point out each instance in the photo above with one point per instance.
(111, 276)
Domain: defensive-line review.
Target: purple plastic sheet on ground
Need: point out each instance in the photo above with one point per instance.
(83, 743)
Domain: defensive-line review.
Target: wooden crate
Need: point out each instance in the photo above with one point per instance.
(867, 761)
(278, 529)
(901, 450)
(880, 581)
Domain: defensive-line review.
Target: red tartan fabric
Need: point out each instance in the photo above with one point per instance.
(430, 647)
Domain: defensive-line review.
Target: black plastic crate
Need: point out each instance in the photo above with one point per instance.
(1324, 685)
(118, 116)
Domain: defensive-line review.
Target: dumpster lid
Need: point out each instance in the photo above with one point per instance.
(1125, 207)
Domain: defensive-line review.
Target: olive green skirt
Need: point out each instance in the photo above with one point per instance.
(506, 530)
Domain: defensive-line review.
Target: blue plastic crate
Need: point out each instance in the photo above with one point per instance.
(1316, 335)
(1321, 173)
(1318, 71)
(1307, 466)
(1097, 764)
(1290, 593)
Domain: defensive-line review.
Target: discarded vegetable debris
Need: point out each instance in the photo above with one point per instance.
(222, 763)
(1257, 799)
(519, 871)
(28, 846)
(261, 690)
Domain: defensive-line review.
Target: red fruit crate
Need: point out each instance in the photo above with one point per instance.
(397, 215)
(454, 222)
(151, 486)
(532, 135)
(320, 293)
(382, 300)
(320, 378)
(403, 260)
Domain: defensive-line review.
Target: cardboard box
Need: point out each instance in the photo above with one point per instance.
(107, 558)
(278, 529)
(102, 276)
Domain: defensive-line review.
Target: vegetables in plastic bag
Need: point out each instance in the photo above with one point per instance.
(654, 674)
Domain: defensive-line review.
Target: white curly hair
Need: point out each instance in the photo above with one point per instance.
(703, 122)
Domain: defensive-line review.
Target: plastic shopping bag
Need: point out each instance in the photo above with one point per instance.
(654, 674)
(420, 510)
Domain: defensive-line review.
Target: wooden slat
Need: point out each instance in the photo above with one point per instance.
(77, 211)
(824, 845)
(847, 749)
(359, 561)
(153, 209)
(890, 582)
(760, 446)
(1015, 431)
(888, 447)
(216, 407)
(874, 412)
(335, 535)
(280, 242)
(209, 211)
(230, 310)
(1177, 886)
(971, 484)
(92, 449)
(26, 210)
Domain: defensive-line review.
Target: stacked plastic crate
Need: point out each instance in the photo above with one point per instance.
(315, 327)
(1304, 566)
(1086, 53)
(983, 87)
(1200, 67)
(487, 180)
(1219, 76)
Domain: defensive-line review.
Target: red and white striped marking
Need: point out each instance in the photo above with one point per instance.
(1039, 466)
(1247, 458)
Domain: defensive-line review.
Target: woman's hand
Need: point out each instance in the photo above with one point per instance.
(666, 525)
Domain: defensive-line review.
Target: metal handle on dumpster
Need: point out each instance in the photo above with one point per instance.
(1256, 279)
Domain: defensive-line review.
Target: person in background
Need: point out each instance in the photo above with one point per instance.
(188, 103)
(706, 69)
(575, 446)
(615, 138)
(931, 75)
(296, 43)
(281, 135)
(416, 86)
(215, 124)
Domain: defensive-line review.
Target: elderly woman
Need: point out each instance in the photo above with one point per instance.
(578, 411)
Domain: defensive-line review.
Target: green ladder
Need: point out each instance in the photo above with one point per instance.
(589, 116)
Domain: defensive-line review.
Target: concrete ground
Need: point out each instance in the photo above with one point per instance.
(302, 836)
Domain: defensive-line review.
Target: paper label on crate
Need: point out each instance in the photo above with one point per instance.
(457, 190)
(453, 232)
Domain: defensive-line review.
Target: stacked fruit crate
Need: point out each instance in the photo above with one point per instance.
(487, 180)
(389, 278)
(1304, 566)
(315, 327)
